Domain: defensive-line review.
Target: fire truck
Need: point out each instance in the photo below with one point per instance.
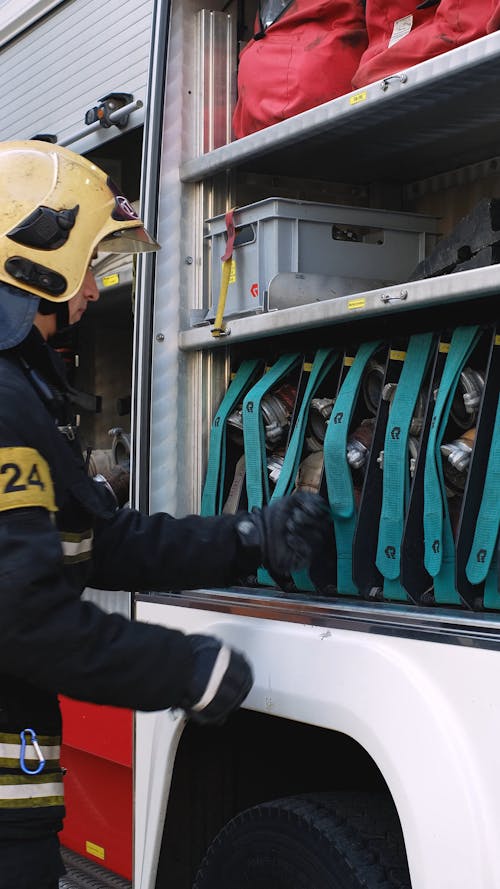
(323, 315)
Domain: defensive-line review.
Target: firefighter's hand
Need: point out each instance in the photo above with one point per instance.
(290, 532)
(220, 681)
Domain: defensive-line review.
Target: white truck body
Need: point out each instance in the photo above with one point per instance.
(410, 692)
(420, 703)
(414, 687)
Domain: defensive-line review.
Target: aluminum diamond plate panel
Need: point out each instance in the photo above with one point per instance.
(83, 874)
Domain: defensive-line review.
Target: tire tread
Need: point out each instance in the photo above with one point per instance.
(362, 827)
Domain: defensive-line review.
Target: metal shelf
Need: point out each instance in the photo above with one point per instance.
(440, 113)
(399, 299)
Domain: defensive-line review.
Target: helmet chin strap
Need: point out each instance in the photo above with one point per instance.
(60, 310)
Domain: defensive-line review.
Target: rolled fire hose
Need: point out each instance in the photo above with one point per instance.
(112, 465)
(373, 381)
(458, 455)
(233, 498)
(120, 447)
(317, 372)
(417, 421)
(276, 409)
(309, 473)
(319, 415)
(101, 460)
(465, 404)
(274, 467)
(359, 444)
(257, 481)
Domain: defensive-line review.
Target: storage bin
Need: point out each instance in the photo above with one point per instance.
(343, 247)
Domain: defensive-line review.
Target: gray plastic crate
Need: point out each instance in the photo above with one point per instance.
(356, 247)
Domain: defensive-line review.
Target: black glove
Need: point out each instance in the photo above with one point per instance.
(219, 683)
(288, 533)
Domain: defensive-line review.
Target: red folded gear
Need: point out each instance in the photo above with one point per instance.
(306, 57)
(402, 33)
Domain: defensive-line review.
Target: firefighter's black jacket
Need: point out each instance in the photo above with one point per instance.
(59, 533)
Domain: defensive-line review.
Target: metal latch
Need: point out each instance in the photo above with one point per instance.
(112, 110)
(107, 106)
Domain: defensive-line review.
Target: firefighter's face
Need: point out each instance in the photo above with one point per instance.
(78, 303)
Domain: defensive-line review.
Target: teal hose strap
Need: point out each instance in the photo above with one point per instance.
(396, 461)
(491, 597)
(436, 537)
(488, 520)
(445, 582)
(254, 433)
(321, 366)
(338, 472)
(213, 490)
(394, 590)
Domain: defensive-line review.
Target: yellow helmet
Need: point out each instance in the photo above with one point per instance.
(56, 209)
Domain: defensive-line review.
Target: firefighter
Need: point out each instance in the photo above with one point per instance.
(61, 531)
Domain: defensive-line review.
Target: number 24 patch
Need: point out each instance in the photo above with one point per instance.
(25, 480)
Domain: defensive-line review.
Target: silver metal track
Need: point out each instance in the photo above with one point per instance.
(443, 625)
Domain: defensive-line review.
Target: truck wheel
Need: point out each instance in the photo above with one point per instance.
(320, 841)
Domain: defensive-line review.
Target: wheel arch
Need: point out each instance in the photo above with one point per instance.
(255, 757)
(396, 700)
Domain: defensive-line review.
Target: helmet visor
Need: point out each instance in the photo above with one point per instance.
(128, 240)
(132, 238)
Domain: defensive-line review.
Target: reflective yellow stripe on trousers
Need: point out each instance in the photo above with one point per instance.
(20, 791)
(27, 792)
